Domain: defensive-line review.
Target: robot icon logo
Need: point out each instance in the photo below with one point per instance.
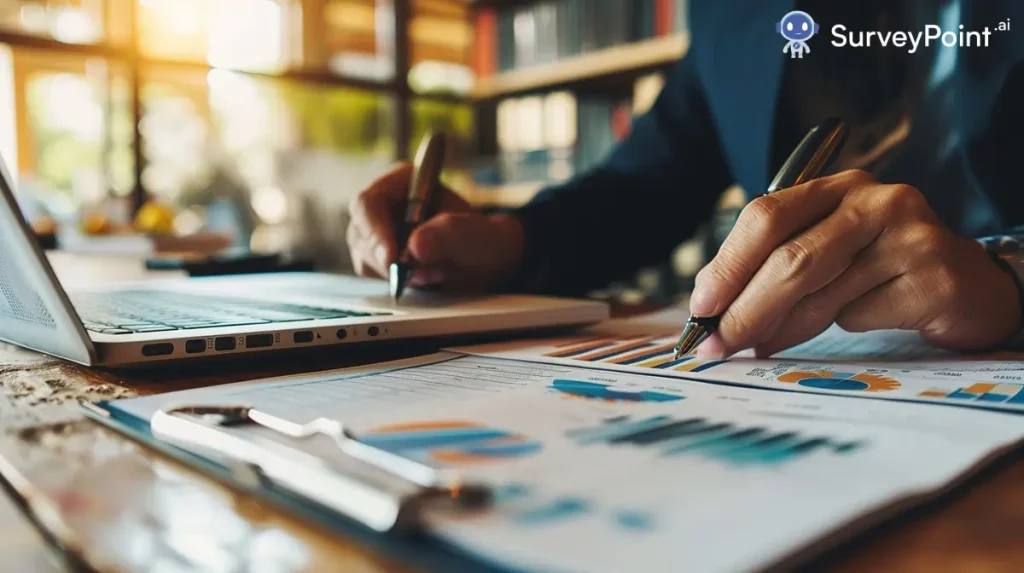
(797, 27)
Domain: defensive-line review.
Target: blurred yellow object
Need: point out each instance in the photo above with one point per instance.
(96, 224)
(155, 218)
(44, 226)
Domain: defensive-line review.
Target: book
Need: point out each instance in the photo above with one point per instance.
(485, 42)
(554, 136)
(524, 35)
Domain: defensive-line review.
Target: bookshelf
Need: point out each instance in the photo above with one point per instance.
(558, 83)
(622, 60)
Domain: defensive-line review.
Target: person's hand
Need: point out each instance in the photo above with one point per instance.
(458, 249)
(849, 250)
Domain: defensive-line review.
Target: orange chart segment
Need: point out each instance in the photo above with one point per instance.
(981, 392)
(450, 441)
(840, 381)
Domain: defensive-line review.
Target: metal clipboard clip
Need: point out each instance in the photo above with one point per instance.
(377, 488)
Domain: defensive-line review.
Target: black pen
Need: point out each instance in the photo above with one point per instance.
(816, 151)
(421, 205)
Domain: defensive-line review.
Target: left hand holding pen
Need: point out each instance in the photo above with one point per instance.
(850, 250)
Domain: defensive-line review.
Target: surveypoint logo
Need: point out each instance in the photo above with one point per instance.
(912, 40)
(796, 27)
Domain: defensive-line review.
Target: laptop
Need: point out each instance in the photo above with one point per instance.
(198, 318)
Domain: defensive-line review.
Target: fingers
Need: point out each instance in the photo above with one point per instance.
(916, 296)
(374, 213)
(801, 284)
(818, 310)
(799, 267)
(463, 239)
(763, 225)
(898, 303)
(901, 257)
(901, 250)
(371, 231)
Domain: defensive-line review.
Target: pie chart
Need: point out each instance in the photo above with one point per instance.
(840, 381)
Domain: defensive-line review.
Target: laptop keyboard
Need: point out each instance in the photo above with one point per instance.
(128, 312)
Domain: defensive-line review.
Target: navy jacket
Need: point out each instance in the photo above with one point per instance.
(720, 120)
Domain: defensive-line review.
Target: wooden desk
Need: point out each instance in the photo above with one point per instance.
(123, 508)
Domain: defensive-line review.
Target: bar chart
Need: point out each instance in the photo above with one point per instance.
(638, 352)
(453, 442)
(723, 441)
(997, 393)
(606, 393)
(532, 511)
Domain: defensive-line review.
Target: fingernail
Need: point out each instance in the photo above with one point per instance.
(702, 300)
(382, 254)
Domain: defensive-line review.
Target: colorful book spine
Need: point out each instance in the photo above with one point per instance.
(485, 42)
(664, 12)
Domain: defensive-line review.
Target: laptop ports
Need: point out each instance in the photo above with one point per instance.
(302, 337)
(195, 346)
(158, 349)
(223, 343)
(259, 340)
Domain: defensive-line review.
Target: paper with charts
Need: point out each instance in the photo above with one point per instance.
(889, 365)
(613, 471)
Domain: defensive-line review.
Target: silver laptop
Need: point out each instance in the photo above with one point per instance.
(185, 319)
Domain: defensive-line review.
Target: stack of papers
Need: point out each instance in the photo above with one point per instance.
(607, 455)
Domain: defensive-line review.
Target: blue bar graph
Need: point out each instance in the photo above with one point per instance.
(722, 441)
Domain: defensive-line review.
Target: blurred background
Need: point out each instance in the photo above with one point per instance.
(147, 124)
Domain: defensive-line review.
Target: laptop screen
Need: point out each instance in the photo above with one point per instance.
(34, 310)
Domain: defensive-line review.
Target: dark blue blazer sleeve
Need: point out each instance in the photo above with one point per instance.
(650, 194)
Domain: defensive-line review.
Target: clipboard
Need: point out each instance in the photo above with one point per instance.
(376, 498)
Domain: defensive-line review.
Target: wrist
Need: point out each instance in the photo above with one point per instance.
(1011, 264)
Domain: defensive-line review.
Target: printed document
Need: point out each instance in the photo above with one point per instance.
(613, 466)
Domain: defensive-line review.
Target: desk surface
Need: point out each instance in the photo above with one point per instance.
(122, 507)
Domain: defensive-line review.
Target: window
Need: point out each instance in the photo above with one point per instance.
(266, 39)
(72, 118)
(68, 21)
(221, 136)
(245, 124)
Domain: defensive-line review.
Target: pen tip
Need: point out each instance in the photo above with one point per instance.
(693, 334)
(397, 275)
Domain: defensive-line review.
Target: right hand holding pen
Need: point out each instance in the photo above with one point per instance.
(850, 250)
(459, 249)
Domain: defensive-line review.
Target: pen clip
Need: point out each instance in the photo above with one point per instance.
(368, 484)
